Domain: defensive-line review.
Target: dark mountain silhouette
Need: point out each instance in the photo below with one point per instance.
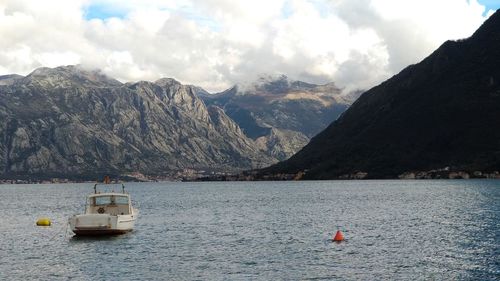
(440, 114)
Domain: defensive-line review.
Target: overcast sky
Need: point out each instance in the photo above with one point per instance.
(217, 43)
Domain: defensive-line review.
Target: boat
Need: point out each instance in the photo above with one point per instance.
(108, 213)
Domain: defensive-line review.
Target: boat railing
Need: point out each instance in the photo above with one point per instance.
(122, 185)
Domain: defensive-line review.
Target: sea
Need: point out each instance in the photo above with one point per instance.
(393, 229)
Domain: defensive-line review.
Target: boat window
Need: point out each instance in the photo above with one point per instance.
(121, 200)
(102, 200)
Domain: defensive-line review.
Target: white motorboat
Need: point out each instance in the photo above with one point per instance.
(105, 214)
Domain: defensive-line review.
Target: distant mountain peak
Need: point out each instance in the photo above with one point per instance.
(280, 103)
(279, 84)
(271, 78)
(71, 75)
(167, 82)
(260, 83)
(9, 79)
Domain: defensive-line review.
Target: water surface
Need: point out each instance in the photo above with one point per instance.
(399, 230)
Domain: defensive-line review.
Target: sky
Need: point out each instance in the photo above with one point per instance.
(218, 43)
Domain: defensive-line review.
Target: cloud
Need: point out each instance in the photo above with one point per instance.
(216, 43)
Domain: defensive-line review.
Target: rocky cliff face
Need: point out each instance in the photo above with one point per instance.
(281, 144)
(279, 113)
(441, 115)
(68, 121)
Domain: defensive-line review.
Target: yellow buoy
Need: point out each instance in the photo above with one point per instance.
(43, 222)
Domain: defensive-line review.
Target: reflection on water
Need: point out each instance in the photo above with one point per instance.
(264, 230)
(84, 239)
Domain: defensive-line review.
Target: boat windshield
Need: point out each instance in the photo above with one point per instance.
(109, 200)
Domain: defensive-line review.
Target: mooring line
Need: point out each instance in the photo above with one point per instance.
(28, 273)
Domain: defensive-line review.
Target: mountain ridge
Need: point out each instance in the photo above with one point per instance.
(281, 111)
(72, 122)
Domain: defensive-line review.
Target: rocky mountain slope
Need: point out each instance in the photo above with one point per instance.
(71, 122)
(279, 113)
(442, 114)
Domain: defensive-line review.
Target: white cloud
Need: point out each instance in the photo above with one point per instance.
(216, 43)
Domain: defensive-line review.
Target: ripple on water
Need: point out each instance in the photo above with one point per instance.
(262, 231)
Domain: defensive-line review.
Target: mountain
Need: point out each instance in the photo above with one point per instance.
(281, 114)
(9, 79)
(442, 114)
(72, 122)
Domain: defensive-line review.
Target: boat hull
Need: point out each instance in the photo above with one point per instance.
(99, 232)
(101, 224)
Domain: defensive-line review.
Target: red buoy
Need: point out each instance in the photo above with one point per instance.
(338, 236)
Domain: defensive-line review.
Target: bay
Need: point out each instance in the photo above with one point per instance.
(398, 230)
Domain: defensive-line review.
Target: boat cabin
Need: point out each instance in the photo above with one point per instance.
(109, 203)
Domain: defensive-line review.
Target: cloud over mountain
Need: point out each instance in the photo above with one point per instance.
(216, 43)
